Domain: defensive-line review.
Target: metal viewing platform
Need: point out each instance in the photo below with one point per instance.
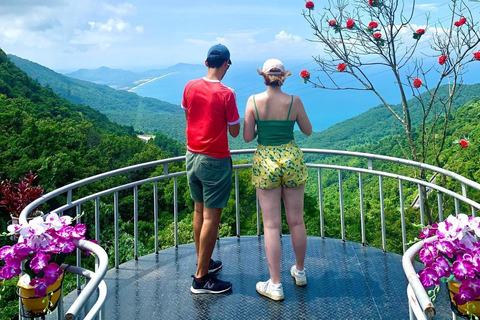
(346, 280)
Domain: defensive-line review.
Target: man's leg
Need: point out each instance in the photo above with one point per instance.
(207, 238)
(197, 224)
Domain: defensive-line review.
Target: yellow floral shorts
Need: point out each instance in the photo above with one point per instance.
(275, 166)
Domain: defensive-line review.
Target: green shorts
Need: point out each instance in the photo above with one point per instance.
(209, 179)
(275, 166)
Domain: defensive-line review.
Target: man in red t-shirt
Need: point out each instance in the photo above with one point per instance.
(210, 110)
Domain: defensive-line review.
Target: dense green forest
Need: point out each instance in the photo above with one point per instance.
(63, 141)
(143, 114)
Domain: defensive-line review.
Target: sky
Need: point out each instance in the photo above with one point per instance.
(67, 35)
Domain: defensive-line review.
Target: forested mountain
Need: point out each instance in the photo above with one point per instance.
(59, 140)
(376, 123)
(144, 114)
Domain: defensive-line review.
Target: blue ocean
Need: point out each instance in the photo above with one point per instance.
(325, 108)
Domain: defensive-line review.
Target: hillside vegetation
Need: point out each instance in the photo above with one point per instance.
(144, 114)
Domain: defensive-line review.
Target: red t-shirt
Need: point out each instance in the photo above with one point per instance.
(211, 108)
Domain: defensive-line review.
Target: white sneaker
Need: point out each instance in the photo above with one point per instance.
(299, 276)
(267, 289)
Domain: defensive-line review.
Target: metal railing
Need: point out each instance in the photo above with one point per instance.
(328, 164)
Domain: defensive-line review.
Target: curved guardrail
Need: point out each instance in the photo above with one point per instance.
(372, 165)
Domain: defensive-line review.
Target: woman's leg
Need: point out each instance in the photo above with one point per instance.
(272, 222)
(293, 201)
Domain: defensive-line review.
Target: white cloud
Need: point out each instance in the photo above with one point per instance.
(282, 36)
(66, 25)
(120, 10)
(427, 7)
(104, 35)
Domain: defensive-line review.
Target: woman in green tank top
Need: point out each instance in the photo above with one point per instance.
(279, 171)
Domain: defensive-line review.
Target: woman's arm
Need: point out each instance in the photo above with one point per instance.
(249, 121)
(302, 118)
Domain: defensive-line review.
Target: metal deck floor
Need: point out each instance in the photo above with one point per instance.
(345, 281)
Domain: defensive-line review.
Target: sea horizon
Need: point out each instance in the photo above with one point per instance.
(325, 108)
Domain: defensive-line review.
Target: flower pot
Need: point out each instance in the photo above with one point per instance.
(472, 307)
(39, 305)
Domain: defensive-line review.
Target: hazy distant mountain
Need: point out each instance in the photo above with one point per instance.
(115, 78)
(124, 80)
(144, 114)
(180, 67)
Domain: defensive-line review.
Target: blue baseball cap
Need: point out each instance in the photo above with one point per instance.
(218, 51)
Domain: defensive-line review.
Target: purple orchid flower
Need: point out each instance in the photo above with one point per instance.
(462, 269)
(6, 251)
(442, 267)
(51, 273)
(428, 254)
(39, 262)
(445, 247)
(9, 271)
(79, 231)
(40, 287)
(464, 295)
(429, 277)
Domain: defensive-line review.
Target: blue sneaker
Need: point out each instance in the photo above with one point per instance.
(209, 284)
(214, 266)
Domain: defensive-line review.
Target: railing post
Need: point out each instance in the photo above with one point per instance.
(402, 215)
(135, 221)
(97, 220)
(79, 253)
(422, 205)
(117, 233)
(237, 203)
(320, 203)
(382, 214)
(440, 206)
(342, 213)
(155, 214)
(362, 213)
(175, 210)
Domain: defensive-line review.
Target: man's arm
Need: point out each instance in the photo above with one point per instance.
(234, 129)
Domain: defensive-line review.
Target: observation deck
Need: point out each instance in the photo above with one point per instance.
(346, 280)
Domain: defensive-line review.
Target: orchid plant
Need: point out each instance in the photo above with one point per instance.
(43, 244)
(454, 255)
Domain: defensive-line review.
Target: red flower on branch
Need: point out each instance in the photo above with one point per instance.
(418, 34)
(374, 3)
(460, 22)
(476, 55)
(305, 75)
(442, 59)
(377, 35)
(417, 83)
(309, 5)
(350, 24)
(372, 25)
(332, 23)
(341, 67)
(463, 143)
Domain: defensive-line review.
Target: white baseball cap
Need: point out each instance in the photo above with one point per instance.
(273, 64)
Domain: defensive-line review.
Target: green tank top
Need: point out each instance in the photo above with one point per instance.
(274, 132)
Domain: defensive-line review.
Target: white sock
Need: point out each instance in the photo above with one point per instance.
(275, 285)
(298, 271)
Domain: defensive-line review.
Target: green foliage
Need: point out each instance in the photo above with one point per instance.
(9, 299)
(144, 114)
